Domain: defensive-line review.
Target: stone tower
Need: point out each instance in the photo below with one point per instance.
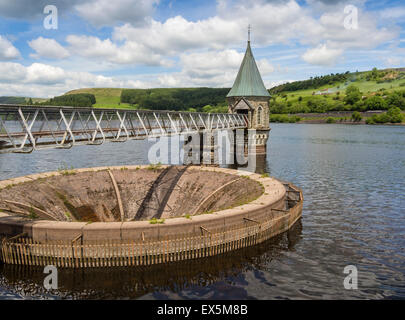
(249, 97)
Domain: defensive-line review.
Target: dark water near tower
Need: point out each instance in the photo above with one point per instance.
(353, 179)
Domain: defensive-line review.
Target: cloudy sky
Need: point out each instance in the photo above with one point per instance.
(190, 43)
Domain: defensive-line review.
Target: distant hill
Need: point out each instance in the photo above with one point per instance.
(185, 99)
(372, 80)
(105, 97)
(317, 94)
(369, 90)
(13, 100)
(19, 100)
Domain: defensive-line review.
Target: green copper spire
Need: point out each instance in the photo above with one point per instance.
(248, 81)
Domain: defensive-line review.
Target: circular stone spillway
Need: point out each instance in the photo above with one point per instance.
(126, 193)
(140, 215)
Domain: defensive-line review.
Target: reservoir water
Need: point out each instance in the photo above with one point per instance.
(353, 180)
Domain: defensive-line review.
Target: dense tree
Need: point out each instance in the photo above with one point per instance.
(375, 103)
(396, 99)
(312, 83)
(175, 99)
(374, 74)
(393, 115)
(356, 116)
(353, 94)
(12, 100)
(82, 100)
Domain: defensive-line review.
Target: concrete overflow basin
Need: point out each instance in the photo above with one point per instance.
(166, 214)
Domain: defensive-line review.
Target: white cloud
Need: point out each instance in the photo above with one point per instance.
(271, 84)
(41, 80)
(393, 13)
(207, 50)
(217, 62)
(39, 73)
(366, 36)
(211, 63)
(28, 9)
(394, 61)
(10, 71)
(322, 55)
(97, 12)
(107, 12)
(178, 34)
(209, 68)
(265, 67)
(273, 23)
(7, 50)
(47, 48)
(130, 52)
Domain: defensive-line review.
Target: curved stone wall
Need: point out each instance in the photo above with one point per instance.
(44, 230)
(123, 193)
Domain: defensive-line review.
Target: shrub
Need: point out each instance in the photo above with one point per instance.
(330, 120)
(396, 99)
(283, 118)
(32, 214)
(83, 100)
(353, 94)
(370, 120)
(156, 221)
(356, 116)
(393, 115)
(375, 103)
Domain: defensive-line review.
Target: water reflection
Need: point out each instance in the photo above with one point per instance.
(136, 282)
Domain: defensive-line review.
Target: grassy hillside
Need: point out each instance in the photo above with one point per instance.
(20, 100)
(105, 97)
(13, 100)
(185, 99)
(356, 91)
(331, 95)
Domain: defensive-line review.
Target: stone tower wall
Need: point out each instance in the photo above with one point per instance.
(255, 102)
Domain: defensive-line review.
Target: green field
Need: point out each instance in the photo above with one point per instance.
(375, 90)
(366, 87)
(385, 82)
(105, 97)
(175, 99)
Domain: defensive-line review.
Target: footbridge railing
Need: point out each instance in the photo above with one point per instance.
(28, 128)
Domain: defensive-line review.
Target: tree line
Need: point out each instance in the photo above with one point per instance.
(353, 100)
(179, 99)
(311, 83)
(79, 100)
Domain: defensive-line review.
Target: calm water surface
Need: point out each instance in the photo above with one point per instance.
(353, 179)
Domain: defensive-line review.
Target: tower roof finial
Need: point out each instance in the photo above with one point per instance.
(248, 82)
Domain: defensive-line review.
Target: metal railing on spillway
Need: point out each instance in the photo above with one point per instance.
(29, 128)
(21, 250)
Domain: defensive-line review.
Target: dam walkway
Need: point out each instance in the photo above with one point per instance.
(27, 128)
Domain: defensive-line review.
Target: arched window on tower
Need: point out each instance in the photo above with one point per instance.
(259, 115)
